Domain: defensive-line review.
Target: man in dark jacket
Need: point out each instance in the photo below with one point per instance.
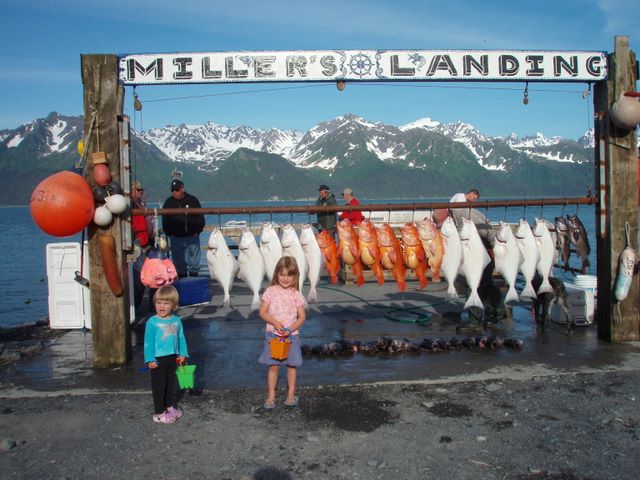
(183, 231)
(326, 220)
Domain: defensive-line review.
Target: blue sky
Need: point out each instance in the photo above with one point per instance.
(43, 39)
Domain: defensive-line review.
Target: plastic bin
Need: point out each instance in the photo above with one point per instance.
(193, 290)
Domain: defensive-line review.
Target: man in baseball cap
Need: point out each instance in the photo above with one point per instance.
(326, 220)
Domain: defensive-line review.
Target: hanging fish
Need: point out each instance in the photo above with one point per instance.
(313, 256)
(579, 238)
(369, 249)
(531, 255)
(433, 244)
(391, 254)
(292, 247)
(546, 249)
(251, 265)
(475, 260)
(508, 258)
(329, 251)
(563, 241)
(414, 256)
(222, 264)
(270, 248)
(348, 249)
(452, 258)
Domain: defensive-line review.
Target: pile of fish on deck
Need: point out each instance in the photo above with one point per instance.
(420, 248)
(396, 345)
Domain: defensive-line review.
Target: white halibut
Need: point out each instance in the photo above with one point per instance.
(547, 250)
(251, 265)
(223, 265)
(531, 255)
(474, 260)
(270, 248)
(291, 247)
(313, 256)
(452, 259)
(508, 258)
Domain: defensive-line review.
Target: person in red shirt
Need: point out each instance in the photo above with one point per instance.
(354, 216)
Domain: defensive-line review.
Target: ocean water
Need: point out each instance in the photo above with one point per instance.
(23, 277)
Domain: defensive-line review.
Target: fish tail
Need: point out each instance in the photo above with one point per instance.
(435, 276)
(255, 304)
(379, 273)
(312, 296)
(334, 277)
(545, 286)
(474, 301)
(528, 290)
(451, 292)
(512, 295)
(402, 284)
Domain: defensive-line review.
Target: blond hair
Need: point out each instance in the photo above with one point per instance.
(289, 265)
(167, 293)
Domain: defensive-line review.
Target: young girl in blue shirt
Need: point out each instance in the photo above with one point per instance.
(164, 347)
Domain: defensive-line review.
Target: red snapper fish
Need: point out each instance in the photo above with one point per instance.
(414, 256)
(433, 244)
(369, 249)
(329, 251)
(391, 254)
(348, 249)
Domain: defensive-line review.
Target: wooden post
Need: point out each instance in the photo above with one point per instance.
(617, 176)
(104, 97)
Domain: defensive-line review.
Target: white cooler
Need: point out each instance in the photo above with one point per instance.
(581, 305)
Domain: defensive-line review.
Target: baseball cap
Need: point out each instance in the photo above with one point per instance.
(136, 185)
(176, 185)
(347, 191)
(323, 187)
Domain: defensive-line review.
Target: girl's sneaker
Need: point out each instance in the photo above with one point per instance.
(175, 412)
(164, 418)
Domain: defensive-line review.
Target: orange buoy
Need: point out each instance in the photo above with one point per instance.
(62, 204)
(108, 255)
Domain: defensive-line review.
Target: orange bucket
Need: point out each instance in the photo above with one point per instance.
(280, 348)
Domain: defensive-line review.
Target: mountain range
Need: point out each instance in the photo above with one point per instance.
(423, 159)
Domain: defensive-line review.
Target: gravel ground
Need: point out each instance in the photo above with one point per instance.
(566, 426)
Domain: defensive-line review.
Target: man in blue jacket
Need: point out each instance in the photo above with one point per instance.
(183, 231)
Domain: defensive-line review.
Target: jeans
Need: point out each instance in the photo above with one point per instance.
(185, 254)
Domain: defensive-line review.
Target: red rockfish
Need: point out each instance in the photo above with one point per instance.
(391, 254)
(414, 256)
(369, 249)
(330, 252)
(348, 249)
(433, 244)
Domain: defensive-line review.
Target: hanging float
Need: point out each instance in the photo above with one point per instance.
(62, 204)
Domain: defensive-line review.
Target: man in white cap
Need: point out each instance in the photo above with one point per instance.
(354, 216)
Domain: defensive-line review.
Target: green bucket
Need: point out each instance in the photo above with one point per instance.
(186, 376)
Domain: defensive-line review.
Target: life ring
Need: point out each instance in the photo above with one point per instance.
(107, 247)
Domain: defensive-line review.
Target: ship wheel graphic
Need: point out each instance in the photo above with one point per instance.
(360, 64)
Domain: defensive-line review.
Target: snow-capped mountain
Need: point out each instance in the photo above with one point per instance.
(206, 146)
(424, 157)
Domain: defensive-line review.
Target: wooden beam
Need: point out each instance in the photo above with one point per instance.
(103, 98)
(617, 176)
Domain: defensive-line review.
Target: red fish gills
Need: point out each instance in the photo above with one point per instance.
(329, 251)
(414, 256)
(348, 249)
(391, 254)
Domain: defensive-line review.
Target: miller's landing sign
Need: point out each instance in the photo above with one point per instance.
(364, 65)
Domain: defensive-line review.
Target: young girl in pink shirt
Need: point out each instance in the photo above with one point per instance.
(283, 310)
